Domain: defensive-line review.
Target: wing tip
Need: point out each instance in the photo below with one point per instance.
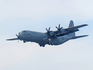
(86, 24)
(86, 35)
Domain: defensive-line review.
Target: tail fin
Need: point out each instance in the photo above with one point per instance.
(71, 25)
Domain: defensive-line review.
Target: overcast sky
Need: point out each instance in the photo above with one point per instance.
(36, 15)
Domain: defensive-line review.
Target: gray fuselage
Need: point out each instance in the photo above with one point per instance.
(42, 38)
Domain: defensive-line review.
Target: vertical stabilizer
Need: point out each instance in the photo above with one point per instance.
(71, 24)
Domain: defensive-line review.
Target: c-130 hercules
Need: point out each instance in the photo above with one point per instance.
(57, 37)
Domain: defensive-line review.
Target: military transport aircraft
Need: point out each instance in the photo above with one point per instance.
(60, 36)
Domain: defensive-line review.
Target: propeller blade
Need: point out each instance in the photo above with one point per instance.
(59, 26)
(56, 27)
(18, 41)
(49, 29)
(46, 29)
(16, 35)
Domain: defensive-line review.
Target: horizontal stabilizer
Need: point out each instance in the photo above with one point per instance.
(76, 27)
(12, 39)
(78, 36)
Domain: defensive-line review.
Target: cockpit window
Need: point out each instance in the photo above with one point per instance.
(24, 31)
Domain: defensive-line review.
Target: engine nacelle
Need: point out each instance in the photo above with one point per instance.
(51, 33)
(62, 30)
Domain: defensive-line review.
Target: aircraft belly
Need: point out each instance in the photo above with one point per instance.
(58, 41)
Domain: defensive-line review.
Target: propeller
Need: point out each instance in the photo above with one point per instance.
(59, 28)
(18, 41)
(18, 36)
(48, 30)
(14, 38)
(50, 33)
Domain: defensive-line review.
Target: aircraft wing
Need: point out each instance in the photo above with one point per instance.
(67, 32)
(76, 27)
(70, 30)
(12, 39)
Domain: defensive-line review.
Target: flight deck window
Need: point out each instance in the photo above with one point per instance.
(24, 31)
